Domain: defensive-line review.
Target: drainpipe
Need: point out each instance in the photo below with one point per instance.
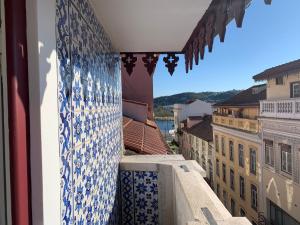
(18, 109)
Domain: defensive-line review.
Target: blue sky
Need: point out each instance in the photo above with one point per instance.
(270, 36)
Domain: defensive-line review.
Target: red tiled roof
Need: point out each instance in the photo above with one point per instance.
(143, 138)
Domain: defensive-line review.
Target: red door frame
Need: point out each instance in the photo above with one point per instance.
(18, 109)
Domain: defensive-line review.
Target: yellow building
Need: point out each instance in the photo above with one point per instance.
(237, 178)
(280, 122)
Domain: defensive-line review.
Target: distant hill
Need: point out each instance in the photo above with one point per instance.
(182, 98)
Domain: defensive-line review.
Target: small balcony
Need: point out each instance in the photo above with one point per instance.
(168, 190)
(249, 125)
(285, 109)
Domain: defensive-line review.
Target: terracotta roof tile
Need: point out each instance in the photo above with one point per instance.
(143, 138)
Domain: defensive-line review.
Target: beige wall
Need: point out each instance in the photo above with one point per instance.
(283, 192)
(251, 214)
(281, 91)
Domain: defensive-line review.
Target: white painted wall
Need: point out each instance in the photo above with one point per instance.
(135, 111)
(196, 108)
(45, 162)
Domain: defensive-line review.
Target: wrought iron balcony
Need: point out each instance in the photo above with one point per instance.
(287, 109)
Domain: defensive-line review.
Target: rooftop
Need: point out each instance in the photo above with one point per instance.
(203, 129)
(143, 138)
(249, 97)
(278, 71)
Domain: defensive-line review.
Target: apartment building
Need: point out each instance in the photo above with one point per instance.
(237, 177)
(196, 143)
(190, 109)
(280, 122)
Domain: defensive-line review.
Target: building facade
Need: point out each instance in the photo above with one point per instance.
(196, 143)
(237, 178)
(280, 122)
(193, 108)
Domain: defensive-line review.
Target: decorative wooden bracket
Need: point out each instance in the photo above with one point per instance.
(210, 30)
(268, 2)
(171, 61)
(239, 11)
(129, 61)
(150, 61)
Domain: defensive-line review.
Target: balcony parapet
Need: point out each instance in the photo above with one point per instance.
(285, 109)
(184, 197)
(249, 125)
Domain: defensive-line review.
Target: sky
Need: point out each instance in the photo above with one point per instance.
(270, 36)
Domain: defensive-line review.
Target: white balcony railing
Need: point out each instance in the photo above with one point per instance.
(288, 109)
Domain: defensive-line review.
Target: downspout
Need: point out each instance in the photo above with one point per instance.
(18, 109)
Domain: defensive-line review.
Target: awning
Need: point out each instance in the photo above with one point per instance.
(168, 27)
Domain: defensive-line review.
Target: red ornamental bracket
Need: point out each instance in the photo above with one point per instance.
(171, 61)
(129, 61)
(150, 61)
(239, 11)
(202, 41)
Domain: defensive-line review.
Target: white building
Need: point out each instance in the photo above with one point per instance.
(194, 108)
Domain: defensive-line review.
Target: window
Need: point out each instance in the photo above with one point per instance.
(224, 172)
(242, 187)
(269, 152)
(218, 190)
(241, 155)
(203, 162)
(225, 198)
(217, 143)
(252, 161)
(295, 90)
(217, 168)
(232, 179)
(232, 207)
(223, 146)
(279, 81)
(231, 150)
(286, 158)
(242, 212)
(279, 217)
(253, 197)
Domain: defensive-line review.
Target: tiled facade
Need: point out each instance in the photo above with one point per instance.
(89, 90)
(139, 192)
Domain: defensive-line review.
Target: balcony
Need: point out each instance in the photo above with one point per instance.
(249, 125)
(167, 190)
(285, 109)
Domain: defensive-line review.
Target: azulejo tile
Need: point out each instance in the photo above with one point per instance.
(90, 141)
(139, 193)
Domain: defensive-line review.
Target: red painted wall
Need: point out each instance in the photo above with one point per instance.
(139, 85)
(18, 109)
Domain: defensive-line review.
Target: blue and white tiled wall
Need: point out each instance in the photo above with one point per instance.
(89, 91)
(139, 197)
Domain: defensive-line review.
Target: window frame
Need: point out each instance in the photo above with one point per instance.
(217, 147)
(292, 95)
(253, 164)
(232, 206)
(254, 194)
(223, 146)
(277, 79)
(269, 151)
(218, 167)
(242, 190)
(231, 150)
(224, 173)
(241, 156)
(232, 185)
(288, 156)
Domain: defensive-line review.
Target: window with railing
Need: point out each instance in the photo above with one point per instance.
(269, 152)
